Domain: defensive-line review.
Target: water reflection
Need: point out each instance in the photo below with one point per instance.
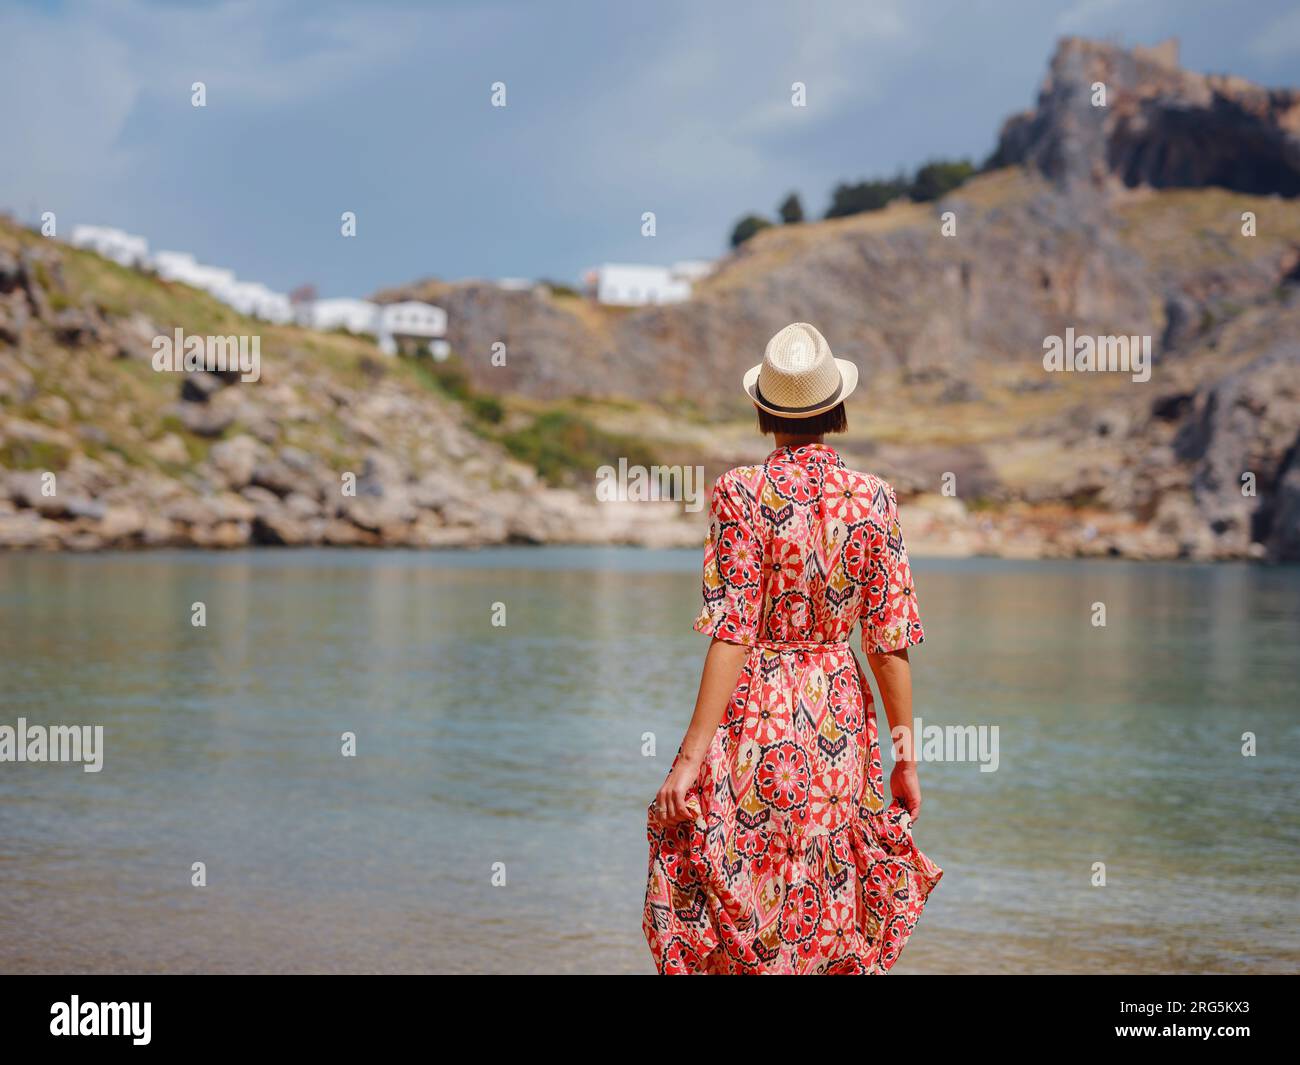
(521, 744)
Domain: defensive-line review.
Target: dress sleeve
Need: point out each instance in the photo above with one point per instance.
(733, 568)
(890, 618)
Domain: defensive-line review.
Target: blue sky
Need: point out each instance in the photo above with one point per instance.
(681, 108)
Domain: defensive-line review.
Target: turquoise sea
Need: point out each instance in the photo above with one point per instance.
(489, 753)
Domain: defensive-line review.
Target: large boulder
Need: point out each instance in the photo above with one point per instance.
(1240, 435)
(236, 460)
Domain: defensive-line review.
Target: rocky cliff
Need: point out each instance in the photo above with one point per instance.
(1135, 116)
(1125, 220)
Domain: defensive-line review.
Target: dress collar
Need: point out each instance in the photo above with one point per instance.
(808, 453)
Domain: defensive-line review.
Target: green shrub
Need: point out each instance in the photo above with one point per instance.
(487, 409)
(865, 196)
(747, 227)
(33, 455)
(566, 449)
(938, 178)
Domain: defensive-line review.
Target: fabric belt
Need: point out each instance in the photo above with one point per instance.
(814, 646)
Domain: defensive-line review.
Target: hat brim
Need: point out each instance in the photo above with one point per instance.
(848, 382)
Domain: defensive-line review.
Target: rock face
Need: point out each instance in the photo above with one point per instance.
(1116, 221)
(1055, 245)
(1242, 436)
(1161, 126)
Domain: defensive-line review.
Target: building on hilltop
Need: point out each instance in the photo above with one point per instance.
(412, 326)
(181, 266)
(125, 249)
(636, 285)
(350, 315)
(258, 301)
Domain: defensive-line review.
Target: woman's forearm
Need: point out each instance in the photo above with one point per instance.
(893, 673)
(722, 666)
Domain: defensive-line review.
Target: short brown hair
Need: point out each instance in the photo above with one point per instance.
(834, 420)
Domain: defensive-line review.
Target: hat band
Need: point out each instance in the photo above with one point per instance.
(758, 394)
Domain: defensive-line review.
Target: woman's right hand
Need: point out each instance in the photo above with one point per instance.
(670, 803)
(905, 786)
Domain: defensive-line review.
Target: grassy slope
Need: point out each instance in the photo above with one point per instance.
(129, 405)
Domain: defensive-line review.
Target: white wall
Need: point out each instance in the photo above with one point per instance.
(180, 266)
(410, 318)
(123, 248)
(256, 300)
(413, 318)
(635, 286)
(356, 316)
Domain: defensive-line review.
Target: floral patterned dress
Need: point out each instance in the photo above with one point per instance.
(794, 864)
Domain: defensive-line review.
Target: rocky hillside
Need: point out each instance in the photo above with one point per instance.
(335, 444)
(1114, 220)
(1126, 219)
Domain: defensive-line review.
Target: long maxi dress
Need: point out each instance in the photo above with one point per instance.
(793, 863)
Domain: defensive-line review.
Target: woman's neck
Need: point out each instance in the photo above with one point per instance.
(789, 440)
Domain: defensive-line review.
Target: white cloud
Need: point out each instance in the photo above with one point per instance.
(75, 77)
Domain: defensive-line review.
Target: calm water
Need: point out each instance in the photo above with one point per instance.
(522, 745)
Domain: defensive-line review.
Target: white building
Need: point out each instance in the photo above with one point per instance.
(412, 323)
(409, 324)
(257, 301)
(180, 266)
(351, 315)
(633, 285)
(124, 248)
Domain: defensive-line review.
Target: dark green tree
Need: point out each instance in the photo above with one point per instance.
(939, 177)
(791, 210)
(865, 196)
(747, 227)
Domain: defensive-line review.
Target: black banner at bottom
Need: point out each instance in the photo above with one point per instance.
(339, 1014)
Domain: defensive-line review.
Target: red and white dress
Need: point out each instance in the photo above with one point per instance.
(794, 863)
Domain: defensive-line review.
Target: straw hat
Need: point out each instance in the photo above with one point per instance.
(799, 377)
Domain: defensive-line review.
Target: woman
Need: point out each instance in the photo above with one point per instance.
(771, 848)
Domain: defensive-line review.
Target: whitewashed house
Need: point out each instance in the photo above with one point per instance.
(180, 266)
(123, 248)
(628, 285)
(351, 315)
(412, 324)
(633, 285)
(172, 265)
(258, 301)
